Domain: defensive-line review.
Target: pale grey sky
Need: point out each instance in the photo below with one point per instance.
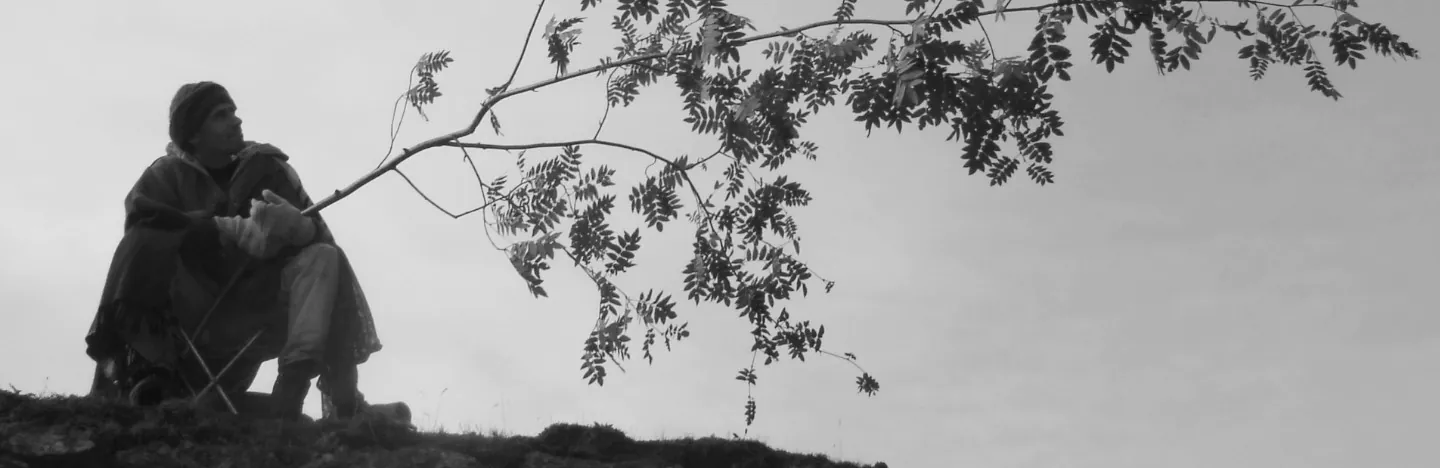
(1228, 273)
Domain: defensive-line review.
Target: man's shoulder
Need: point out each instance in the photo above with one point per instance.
(275, 158)
(164, 163)
(255, 148)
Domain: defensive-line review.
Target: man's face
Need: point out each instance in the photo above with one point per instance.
(221, 132)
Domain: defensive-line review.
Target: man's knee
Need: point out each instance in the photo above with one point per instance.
(317, 256)
(315, 262)
(319, 253)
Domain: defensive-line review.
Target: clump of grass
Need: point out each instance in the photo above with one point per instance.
(595, 442)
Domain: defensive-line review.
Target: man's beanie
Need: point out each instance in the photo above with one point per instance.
(191, 106)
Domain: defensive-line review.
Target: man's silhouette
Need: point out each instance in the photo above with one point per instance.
(213, 207)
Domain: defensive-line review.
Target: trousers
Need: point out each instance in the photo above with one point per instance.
(310, 281)
(293, 303)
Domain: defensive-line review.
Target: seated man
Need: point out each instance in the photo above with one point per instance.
(218, 217)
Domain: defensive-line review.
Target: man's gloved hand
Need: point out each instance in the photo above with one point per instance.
(245, 233)
(282, 222)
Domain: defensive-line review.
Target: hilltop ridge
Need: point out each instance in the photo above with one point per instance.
(66, 430)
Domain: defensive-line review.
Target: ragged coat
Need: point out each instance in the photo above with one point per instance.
(171, 264)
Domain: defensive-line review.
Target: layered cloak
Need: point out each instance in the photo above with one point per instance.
(172, 263)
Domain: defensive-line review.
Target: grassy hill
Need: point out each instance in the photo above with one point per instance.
(63, 430)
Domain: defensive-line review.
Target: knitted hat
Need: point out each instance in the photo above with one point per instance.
(191, 107)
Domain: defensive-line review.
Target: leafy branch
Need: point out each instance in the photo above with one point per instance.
(501, 95)
(746, 244)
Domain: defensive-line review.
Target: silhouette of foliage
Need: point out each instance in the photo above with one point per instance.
(427, 90)
(933, 65)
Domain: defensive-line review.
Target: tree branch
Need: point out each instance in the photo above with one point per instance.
(502, 95)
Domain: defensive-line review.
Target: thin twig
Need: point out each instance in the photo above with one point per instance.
(395, 127)
(718, 152)
(442, 209)
(844, 358)
(479, 180)
(484, 215)
(806, 265)
(994, 63)
(600, 321)
(423, 195)
(603, 118)
(750, 386)
(485, 218)
(606, 95)
(1310, 45)
(524, 46)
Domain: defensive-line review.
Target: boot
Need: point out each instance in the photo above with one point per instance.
(292, 383)
(106, 383)
(340, 385)
(149, 391)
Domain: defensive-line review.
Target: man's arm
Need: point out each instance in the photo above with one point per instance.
(152, 202)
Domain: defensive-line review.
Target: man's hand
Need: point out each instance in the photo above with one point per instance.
(246, 234)
(281, 221)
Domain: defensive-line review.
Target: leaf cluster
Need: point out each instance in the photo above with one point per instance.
(427, 90)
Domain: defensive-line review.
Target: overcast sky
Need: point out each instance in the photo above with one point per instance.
(1227, 273)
